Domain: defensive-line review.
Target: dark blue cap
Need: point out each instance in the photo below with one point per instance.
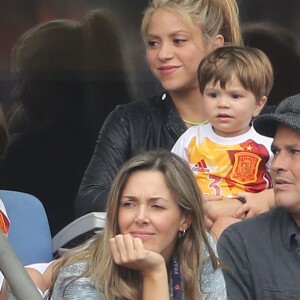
(287, 113)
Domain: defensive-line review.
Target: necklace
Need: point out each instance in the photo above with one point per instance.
(192, 123)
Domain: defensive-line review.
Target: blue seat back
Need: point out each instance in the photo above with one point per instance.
(29, 232)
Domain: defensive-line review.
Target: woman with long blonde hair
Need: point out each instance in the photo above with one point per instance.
(177, 35)
(154, 244)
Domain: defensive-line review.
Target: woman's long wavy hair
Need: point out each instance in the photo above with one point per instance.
(118, 282)
(213, 16)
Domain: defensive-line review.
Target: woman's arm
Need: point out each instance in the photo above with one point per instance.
(218, 207)
(111, 151)
(155, 284)
(222, 213)
(256, 203)
(67, 288)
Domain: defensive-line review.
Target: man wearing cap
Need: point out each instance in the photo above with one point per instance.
(261, 256)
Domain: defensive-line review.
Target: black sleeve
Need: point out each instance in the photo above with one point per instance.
(111, 151)
(237, 271)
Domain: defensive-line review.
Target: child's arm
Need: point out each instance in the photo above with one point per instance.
(256, 203)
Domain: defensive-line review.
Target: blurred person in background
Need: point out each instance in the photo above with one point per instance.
(282, 48)
(68, 76)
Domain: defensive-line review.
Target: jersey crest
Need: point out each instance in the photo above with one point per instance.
(245, 168)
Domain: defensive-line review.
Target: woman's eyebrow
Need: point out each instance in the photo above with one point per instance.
(150, 199)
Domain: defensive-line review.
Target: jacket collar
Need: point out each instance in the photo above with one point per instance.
(173, 120)
(289, 230)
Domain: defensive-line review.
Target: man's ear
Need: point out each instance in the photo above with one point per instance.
(260, 103)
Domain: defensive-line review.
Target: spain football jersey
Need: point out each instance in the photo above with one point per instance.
(225, 166)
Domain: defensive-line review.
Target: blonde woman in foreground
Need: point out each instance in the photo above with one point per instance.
(154, 245)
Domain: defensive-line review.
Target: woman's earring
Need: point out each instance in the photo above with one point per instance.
(181, 233)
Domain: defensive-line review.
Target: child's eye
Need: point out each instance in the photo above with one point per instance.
(236, 96)
(212, 94)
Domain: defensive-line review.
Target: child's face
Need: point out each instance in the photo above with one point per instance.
(230, 110)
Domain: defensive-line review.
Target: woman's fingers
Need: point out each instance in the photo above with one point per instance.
(126, 249)
(131, 253)
(241, 212)
(115, 251)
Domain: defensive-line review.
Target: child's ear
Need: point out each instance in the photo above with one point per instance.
(218, 41)
(260, 103)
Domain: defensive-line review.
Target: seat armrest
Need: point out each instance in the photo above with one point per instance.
(79, 230)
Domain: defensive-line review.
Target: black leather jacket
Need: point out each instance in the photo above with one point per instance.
(128, 130)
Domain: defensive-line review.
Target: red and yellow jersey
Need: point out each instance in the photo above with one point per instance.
(225, 166)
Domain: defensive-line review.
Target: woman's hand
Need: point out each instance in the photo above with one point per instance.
(216, 207)
(131, 253)
(255, 203)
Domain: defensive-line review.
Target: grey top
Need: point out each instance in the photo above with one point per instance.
(260, 257)
(213, 284)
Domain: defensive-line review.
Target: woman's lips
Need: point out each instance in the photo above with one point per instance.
(142, 234)
(166, 70)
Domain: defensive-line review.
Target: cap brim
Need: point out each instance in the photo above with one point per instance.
(267, 124)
